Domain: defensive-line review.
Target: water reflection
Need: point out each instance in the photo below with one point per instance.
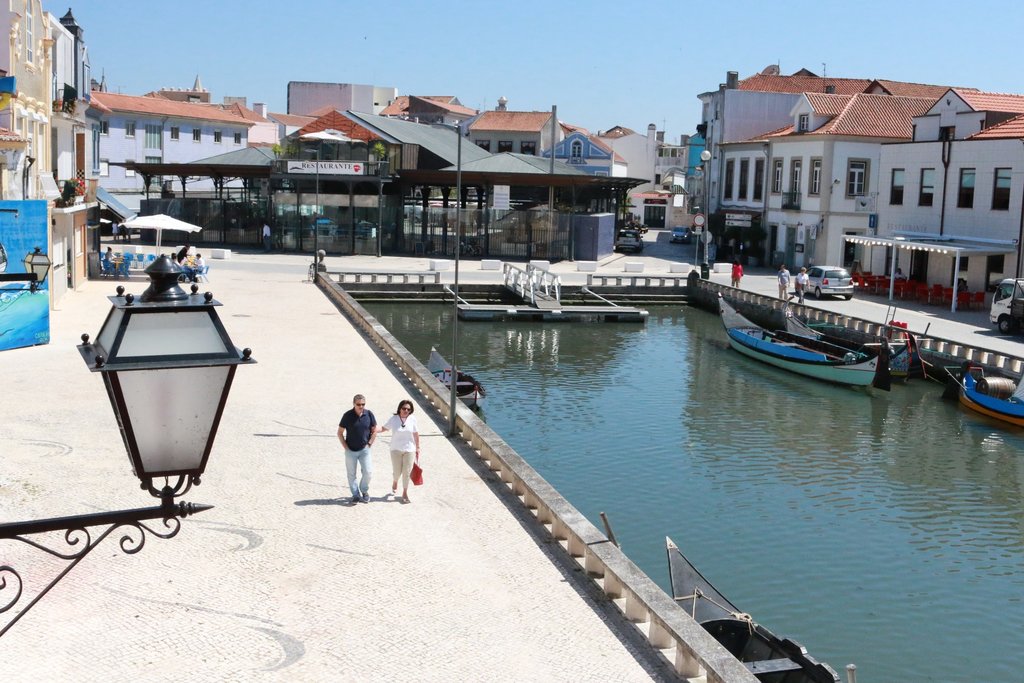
(884, 529)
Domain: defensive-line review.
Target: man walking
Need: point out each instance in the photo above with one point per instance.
(783, 275)
(356, 431)
(266, 237)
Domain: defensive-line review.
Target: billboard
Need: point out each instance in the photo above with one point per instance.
(24, 310)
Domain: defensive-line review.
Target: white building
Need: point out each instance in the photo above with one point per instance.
(821, 175)
(956, 190)
(307, 98)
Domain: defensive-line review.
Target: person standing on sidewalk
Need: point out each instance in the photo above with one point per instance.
(356, 431)
(405, 445)
(801, 284)
(783, 276)
(737, 274)
(266, 237)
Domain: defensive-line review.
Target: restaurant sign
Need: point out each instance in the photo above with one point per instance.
(328, 167)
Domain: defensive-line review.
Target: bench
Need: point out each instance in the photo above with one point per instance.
(490, 264)
(633, 267)
(679, 268)
(220, 254)
(586, 266)
(440, 264)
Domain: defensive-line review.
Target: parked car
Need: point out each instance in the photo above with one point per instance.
(629, 240)
(832, 280)
(682, 234)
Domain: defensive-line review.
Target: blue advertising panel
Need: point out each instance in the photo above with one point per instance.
(24, 313)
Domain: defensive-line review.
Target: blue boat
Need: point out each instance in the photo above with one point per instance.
(805, 355)
(996, 397)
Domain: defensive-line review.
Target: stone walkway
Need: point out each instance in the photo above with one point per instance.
(282, 580)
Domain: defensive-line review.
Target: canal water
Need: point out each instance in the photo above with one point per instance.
(885, 530)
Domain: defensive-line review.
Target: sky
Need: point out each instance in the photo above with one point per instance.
(602, 63)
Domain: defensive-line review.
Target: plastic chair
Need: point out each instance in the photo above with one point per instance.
(963, 300)
(978, 300)
(129, 261)
(106, 267)
(935, 296)
(201, 274)
(149, 259)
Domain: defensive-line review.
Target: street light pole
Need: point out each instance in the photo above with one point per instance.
(705, 156)
(316, 218)
(455, 288)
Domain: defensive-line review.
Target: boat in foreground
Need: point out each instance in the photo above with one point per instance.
(466, 388)
(770, 658)
(808, 356)
(996, 397)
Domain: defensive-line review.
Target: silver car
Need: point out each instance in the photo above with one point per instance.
(833, 280)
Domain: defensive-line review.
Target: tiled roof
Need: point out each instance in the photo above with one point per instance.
(335, 120)
(571, 128)
(876, 116)
(617, 132)
(401, 105)
(512, 121)
(10, 136)
(244, 112)
(825, 104)
(159, 106)
(292, 119)
(909, 89)
(991, 101)
(803, 83)
(1011, 128)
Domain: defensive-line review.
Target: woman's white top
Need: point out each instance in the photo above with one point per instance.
(402, 438)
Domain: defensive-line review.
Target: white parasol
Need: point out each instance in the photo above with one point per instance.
(160, 222)
(330, 135)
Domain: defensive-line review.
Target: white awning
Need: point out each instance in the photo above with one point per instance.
(950, 246)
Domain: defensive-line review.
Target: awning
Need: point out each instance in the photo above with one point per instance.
(947, 246)
(115, 206)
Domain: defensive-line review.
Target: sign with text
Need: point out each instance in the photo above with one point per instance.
(501, 196)
(739, 220)
(328, 167)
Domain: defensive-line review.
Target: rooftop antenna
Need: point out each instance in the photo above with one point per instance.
(824, 75)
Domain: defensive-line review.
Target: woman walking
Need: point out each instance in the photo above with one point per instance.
(737, 274)
(405, 445)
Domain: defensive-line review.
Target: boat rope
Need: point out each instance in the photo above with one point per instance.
(698, 595)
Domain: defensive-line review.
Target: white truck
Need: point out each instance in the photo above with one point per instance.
(1008, 306)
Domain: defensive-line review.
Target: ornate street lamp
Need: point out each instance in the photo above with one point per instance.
(167, 363)
(37, 263)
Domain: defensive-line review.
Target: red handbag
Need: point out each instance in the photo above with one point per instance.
(417, 473)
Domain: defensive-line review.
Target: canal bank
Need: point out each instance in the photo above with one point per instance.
(283, 579)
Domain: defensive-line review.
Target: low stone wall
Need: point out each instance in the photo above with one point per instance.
(668, 628)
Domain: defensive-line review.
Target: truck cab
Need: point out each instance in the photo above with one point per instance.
(1008, 306)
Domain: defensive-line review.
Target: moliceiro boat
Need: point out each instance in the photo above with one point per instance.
(904, 356)
(466, 388)
(806, 355)
(997, 397)
(772, 659)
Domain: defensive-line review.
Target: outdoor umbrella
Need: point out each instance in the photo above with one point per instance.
(160, 222)
(330, 135)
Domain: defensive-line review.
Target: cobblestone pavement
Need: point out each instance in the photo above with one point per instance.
(282, 580)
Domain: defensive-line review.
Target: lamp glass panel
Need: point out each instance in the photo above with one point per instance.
(171, 412)
(174, 333)
(105, 339)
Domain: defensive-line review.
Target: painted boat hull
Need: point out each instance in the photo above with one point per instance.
(801, 361)
(1004, 409)
(467, 389)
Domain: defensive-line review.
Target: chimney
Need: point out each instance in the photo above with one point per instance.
(830, 89)
(502, 104)
(260, 108)
(732, 79)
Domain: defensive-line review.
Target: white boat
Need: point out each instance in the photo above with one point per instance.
(467, 388)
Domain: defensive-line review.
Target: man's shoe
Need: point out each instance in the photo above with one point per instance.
(366, 497)
(356, 499)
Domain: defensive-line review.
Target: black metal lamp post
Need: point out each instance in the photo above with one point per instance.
(167, 363)
(37, 263)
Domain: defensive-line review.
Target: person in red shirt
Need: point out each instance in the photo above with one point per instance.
(737, 273)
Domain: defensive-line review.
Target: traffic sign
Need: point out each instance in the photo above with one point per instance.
(698, 220)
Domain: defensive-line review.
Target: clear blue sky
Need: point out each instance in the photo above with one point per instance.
(603, 63)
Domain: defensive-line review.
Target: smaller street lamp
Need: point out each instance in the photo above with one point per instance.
(705, 156)
(167, 363)
(37, 263)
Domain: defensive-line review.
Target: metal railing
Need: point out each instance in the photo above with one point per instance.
(791, 201)
(527, 283)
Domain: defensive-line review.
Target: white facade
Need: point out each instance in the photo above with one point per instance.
(305, 97)
(994, 214)
(640, 152)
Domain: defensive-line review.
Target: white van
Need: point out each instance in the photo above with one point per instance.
(1008, 306)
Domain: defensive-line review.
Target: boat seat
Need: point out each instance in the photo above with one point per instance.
(770, 666)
